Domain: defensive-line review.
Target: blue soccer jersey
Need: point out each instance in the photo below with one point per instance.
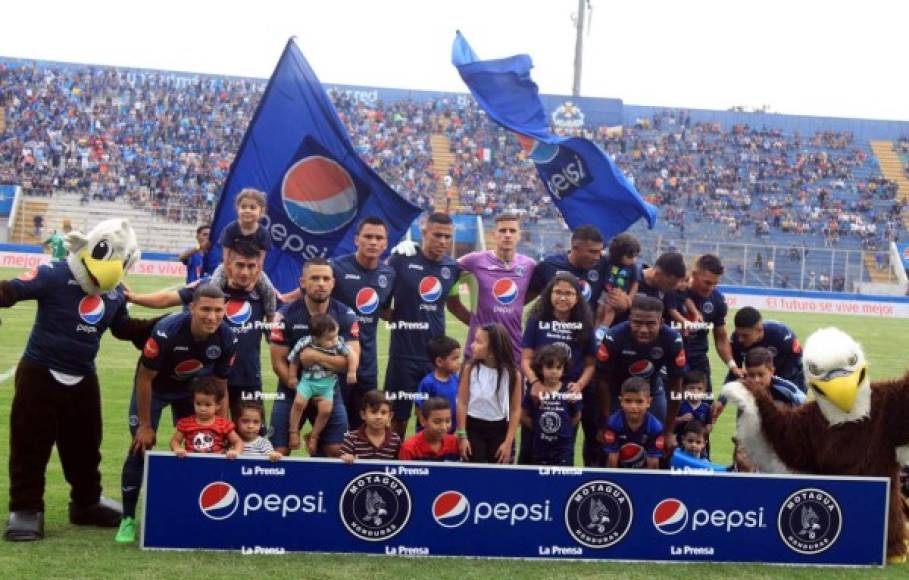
(578, 342)
(245, 314)
(782, 344)
(421, 291)
(713, 309)
(67, 331)
(292, 324)
(178, 357)
(553, 431)
(367, 292)
(591, 280)
(699, 410)
(619, 357)
(633, 447)
(430, 386)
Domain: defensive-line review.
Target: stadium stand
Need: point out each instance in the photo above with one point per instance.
(156, 146)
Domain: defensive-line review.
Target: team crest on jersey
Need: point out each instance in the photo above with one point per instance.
(214, 351)
(367, 300)
(810, 521)
(519, 271)
(550, 422)
(91, 309)
(446, 272)
(430, 289)
(593, 276)
(238, 311)
(707, 307)
(505, 291)
(656, 352)
(598, 514)
(375, 506)
(383, 281)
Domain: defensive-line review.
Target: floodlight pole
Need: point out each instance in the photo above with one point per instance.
(579, 47)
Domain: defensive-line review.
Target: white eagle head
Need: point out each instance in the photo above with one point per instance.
(836, 374)
(100, 259)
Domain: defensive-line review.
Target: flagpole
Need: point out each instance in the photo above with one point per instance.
(578, 47)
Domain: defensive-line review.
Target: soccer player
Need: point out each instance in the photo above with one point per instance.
(292, 323)
(711, 304)
(365, 284)
(194, 258)
(658, 281)
(751, 331)
(244, 313)
(502, 277)
(422, 283)
(182, 347)
(645, 348)
(585, 261)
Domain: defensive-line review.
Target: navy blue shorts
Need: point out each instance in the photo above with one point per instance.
(334, 431)
(559, 456)
(181, 405)
(402, 377)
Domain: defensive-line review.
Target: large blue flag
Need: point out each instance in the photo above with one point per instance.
(583, 182)
(297, 151)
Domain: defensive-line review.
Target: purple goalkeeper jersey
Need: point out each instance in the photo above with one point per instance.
(501, 289)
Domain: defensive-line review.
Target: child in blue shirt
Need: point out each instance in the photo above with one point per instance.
(445, 354)
(632, 437)
(553, 417)
(695, 406)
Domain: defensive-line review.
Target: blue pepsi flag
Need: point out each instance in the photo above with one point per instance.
(297, 151)
(582, 181)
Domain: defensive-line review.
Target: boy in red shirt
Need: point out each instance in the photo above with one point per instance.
(434, 442)
(206, 432)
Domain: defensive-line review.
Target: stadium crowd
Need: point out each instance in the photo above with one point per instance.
(166, 142)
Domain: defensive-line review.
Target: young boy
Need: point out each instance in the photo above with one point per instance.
(250, 204)
(553, 417)
(374, 439)
(445, 354)
(633, 438)
(759, 372)
(695, 407)
(623, 274)
(434, 442)
(206, 432)
(693, 438)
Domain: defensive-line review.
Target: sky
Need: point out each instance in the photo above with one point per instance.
(843, 59)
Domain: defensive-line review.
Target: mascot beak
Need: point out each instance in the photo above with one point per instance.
(841, 387)
(105, 274)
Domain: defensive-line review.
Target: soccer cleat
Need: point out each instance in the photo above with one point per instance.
(127, 532)
(24, 526)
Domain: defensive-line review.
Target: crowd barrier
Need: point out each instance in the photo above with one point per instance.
(24, 256)
(779, 300)
(450, 509)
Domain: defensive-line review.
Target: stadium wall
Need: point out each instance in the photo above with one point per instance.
(778, 300)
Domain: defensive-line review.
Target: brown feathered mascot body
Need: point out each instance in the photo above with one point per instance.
(851, 427)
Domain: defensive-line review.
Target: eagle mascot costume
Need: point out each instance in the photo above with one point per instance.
(850, 426)
(57, 397)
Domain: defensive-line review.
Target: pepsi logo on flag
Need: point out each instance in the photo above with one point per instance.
(505, 291)
(188, 368)
(450, 509)
(237, 311)
(670, 516)
(218, 500)
(430, 289)
(91, 309)
(366, 300)
(319, 195)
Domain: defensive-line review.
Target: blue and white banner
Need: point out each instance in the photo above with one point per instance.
(433, 509)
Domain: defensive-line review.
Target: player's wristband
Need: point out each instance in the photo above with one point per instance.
(461, 434)
(731, 364)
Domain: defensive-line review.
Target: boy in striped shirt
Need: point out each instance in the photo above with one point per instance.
(374, 439)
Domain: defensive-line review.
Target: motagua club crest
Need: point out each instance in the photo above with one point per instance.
(375, 506)
(568, 116)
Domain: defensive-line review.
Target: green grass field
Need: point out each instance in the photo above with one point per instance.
(70, 552)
